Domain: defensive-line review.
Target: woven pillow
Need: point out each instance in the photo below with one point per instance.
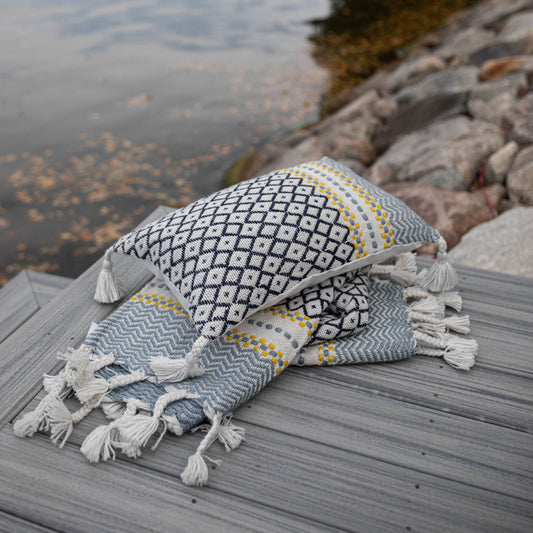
(252, 245)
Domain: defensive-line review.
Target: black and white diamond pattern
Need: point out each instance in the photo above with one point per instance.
(230, 253)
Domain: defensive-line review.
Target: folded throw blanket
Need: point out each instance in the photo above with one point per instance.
(125, 364)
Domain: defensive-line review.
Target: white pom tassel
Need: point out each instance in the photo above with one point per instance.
(91, 387)
(61, 421)
(36, 420)
(460, 324)
(172, 370)
(99, 444)
(107, 287)
(229, 435)
(196, 473)
(442, 275)
(460, 353)
(429, 306)
(451, 299)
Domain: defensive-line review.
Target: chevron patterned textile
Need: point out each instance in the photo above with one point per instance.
(307, 266)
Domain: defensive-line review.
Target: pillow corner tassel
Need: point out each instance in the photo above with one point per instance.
(442, 275)
(107, 287)
(167, 369)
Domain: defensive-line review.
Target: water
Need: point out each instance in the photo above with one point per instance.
(108, 109)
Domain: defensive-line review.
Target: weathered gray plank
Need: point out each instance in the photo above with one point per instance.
(47, 286)
(481, 394)
(17, 304)
(347, 489)
(31, 350)
(12, 524)
(73, 495)
(389, 430)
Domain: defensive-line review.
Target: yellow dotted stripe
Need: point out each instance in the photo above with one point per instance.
(386, 229)
(294, 316)
(261, 346)
(343, 209)
(325, 355)
(159, 301)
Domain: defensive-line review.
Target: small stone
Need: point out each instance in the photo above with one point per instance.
(492, 111)
(465, 43)
(413, 71)
(452, 213)
(492, 13)
(497, 68)
(448, 81)
(499, 163)
(519, 119)
(520, 178)
(518, 26)
(508, 253)
(360, 149)
(498, 50)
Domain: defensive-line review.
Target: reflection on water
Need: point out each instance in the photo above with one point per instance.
(110, 108)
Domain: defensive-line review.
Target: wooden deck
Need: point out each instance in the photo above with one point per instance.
(409, 446)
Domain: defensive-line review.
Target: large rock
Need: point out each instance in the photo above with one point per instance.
(452, 213)
(493, 110)
(500, 162)
(520, 178)
(447, 154)
(500, 244)
(466, 42)
(518, 26)
(411, 117)
(413, 71)
(499, 49)
(448, 81)
(519, 120)
(492, 13)
(514, 84)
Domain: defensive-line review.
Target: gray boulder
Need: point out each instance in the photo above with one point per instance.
(509, 252)
(519, 120)
(520, 178)
(518, 26)
(413, 71)
(448, 81)
(465, 43)
(446, 154)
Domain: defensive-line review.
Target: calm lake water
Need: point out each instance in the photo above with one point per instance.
(110, 108)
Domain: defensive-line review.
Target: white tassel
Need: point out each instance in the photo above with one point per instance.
(460, 324)
(451, 299)
(229, 435)
(36, 420)
(57, 385)
(460, 353)
(172, 370)
(61, 421)
(107, 287)
(111, 409)
(91, 387)
(134, 431)
(196, 472)
(429, 305)
(442, 275)
(99, 443)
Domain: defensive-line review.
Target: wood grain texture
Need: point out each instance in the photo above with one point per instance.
(17, 304)
(413, 445)
(74, 495)
(14, 524)
(31, 351)
(47, 286)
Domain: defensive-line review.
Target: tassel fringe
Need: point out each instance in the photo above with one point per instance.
(442, 275)
(107, 287)
(174, 370)
(196, 473)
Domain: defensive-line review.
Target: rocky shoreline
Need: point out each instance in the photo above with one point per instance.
(449, 131)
